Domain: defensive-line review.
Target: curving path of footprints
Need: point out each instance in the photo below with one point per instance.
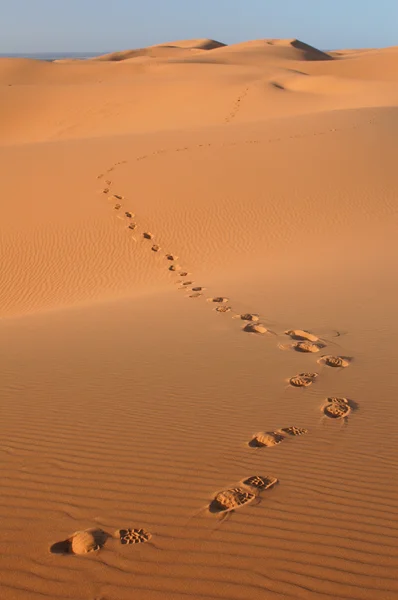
(250, 489)
(231, 144)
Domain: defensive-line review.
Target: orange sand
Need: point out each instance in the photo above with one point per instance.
(269, 169)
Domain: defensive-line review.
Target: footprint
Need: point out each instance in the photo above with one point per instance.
(117, 206)
(105, 191)
(174, 268)
(292, 430)
(307, 347)
(301, 334)
(338, 408)
(218, 299)
(115, 198)
(248, 317)
(108, 182)
(304, 335)
(147, 235)
(183, 274)
(223, 309)
(171, 257)
(195, 295)
(261, 482)
(231, 499)
(273, 438)
(303, 346)
(155, 248)
(133, 536)
(335, 361)
(256, 328)
(133, 226)
(129, 215)
(81, 542)
(303, 379)
(197, 289)
(266, 439)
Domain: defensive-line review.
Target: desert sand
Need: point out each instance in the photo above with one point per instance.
(264, 176)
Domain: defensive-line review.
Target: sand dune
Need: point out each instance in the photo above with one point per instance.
(287, 49)
(271, 48)
(169, 50)
(254, 81)
(199, 44)
(372, 65)
(170, 222)
(150, 52)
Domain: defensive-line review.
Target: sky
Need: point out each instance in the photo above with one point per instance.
(106, 25)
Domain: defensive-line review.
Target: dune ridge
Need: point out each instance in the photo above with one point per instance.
(184, 232)
(282, 48)
(169, 50)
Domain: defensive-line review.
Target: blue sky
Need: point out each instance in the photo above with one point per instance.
(96, 25)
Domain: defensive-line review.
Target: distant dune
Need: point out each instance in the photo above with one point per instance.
(199, 44)
(288, 49)
(169, 50)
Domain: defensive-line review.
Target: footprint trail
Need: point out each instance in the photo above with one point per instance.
(247, 491)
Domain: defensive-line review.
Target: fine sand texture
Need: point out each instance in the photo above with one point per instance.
(198, 332)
